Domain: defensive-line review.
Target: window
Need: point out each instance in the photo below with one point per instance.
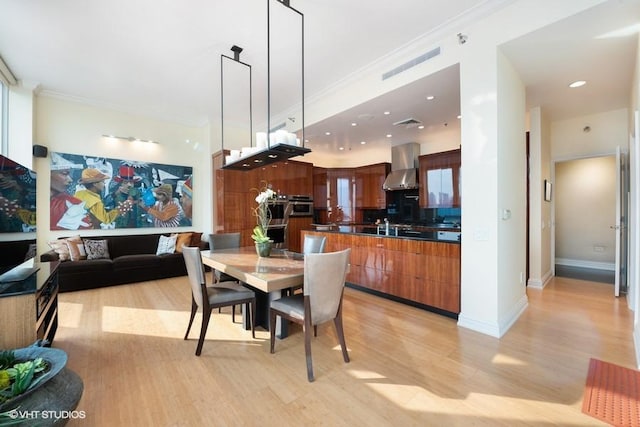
(4, 120)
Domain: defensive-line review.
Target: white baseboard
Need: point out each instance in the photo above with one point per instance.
(636, 345)
(586, 264)
(499, 329)
(540, 283)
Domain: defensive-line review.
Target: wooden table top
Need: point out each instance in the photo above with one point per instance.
(270, 274)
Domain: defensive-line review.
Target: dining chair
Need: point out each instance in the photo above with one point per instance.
(321, 300)
(219, 242)
(223, 241)
(311, 245)
(210, 297)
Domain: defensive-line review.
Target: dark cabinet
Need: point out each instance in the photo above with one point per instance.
(440, 176)
(235, 191)
(29, 308)
(369, 180)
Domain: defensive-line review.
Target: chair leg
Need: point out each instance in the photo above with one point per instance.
(206, 315)
(315, 330)
(272, 329)
(233, 314)
(253, 318)
(340, 332)
(307, 348)
(194, 308)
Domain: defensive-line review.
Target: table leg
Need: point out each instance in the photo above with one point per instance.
(263, 301)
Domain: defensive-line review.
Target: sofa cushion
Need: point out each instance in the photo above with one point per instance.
(76, 249)
(184, 239)
(95, 267)
(61, 248)
(133, 245)
(166, 244)
(136, 261)
(96, 249)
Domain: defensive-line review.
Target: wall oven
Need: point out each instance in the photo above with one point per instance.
(300, 205)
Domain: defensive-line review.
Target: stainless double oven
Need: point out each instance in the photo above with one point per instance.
(283, 207)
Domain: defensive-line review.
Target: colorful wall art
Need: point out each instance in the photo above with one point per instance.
(100, 193)
(17, 197)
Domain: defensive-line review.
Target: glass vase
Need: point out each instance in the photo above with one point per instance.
(263, 249)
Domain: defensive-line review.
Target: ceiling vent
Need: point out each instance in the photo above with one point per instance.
(408, 123)
(419, 60)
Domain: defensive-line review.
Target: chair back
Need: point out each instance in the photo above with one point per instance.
(195, 271)
(224, 241)
(313, 244)
(324, 276)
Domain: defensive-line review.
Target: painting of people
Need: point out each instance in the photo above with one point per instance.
(17, 197)
(101, 193)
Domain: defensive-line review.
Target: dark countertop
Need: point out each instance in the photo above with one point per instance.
(26, 278)
(414, 232)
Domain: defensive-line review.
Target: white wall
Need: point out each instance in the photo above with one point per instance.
(70, 127)
(585, 209)
(608, 130)
(540, 265)
(512, 167)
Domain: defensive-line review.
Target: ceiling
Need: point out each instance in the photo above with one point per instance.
(162, 58)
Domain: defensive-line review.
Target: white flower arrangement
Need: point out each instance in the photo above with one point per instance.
(262, 213)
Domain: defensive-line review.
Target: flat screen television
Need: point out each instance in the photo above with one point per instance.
(17, 214)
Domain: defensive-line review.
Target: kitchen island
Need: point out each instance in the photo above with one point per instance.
(420, 271)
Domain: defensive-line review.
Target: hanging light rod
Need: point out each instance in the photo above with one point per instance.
(130, 138)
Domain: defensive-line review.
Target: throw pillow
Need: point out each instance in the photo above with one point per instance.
(184, 239)
(60, 247)
(167, 244)
(196, 239)
(96, 249)
(76, 249)
(31, 252)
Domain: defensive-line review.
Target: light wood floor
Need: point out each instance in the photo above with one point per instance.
(408, 367)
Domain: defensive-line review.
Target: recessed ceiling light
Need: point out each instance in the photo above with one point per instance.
(386, 113)
(389, 135)
(421, 127)
(354, 124)
(363, 142)
(341, 148)
(578, 83)
(430, 97)
(327, 133)
(459, 116)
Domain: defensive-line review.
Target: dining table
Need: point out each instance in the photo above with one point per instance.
(268, 277)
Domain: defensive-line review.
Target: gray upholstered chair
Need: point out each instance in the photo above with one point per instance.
(313, 244)
(223, 241)
(209, 297)
(321, 300)
(219, 242)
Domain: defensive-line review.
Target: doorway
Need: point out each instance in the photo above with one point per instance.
(584, 212)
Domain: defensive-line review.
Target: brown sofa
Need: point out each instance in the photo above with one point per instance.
(132, 259)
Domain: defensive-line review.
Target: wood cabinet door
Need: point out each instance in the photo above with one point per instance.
(320, 199)
(368, 184)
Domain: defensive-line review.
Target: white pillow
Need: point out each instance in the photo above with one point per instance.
(167, 245)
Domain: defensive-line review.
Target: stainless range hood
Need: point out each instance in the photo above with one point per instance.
(404, 167)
